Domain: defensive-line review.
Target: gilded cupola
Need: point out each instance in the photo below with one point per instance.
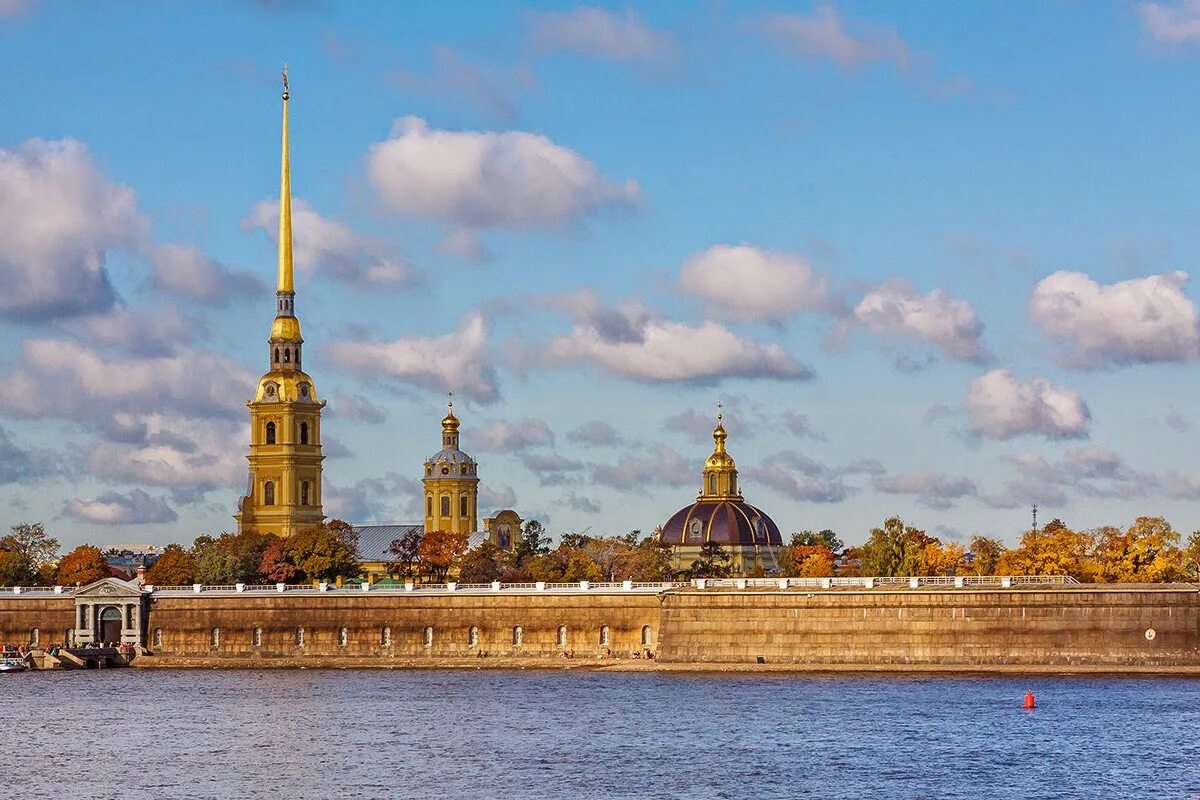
(720, 470)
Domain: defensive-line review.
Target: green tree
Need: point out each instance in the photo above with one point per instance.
(895, 549)
(826, 538)
(173, 567)
(714, 562)
(321, 553)
(534, 542)
(231, 558)
(483, 564)
(82, 565)
(986, 553)
(35, 554)
(574, 541)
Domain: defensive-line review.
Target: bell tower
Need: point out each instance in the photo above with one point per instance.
(720, 470)
(451, 484)
(283, 493)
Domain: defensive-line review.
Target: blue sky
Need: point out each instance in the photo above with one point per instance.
(933, 258)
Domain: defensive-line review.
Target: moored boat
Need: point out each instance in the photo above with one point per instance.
(12, 665)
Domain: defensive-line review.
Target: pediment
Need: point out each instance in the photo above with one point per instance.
(109, 588)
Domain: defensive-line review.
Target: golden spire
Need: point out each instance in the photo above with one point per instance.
(450, 422)
(285, 203)
(720, 470)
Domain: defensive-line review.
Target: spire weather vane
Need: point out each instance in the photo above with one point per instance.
(285, 82)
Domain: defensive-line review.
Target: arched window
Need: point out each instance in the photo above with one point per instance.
(287, 355)
(473, 636)
(518, 636)
(156, 638)
(427, 637)
(303, 493)
(429, 505)
(256, 638)
(462, 505)
(385, 636)
(35, 637)
(270, 433)
(299, 637)
(276, 355)
(343, 637)
(604, 636)
(647, 635)
(462, 470)
(215, 640)
(445, 505)
(268, 493)
(303, 433)
(561, 638)
(712, 484)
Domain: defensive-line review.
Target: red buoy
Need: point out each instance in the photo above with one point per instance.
(1029, 701)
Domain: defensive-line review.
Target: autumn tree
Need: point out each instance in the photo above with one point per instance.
(483, 564)
(275, 566)
(1054, 550)
(986, 553)
(81, 566)
(175, 566)
(1146, 552)
(652, 561)
(405, 552)
(440, 551)
(825, 538)
(939, 559)
(894, 549)
(321, 553)
(806, 560)
(32, 554)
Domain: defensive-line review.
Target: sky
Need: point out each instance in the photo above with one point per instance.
(932, 259)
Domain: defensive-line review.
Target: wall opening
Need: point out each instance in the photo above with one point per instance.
(427, 637)
(343, 637)
(647, 636)
(270, 433)
(256, 638)
(303, 433)
(561, 639)
(35, 637)
(518, 636)
(473, 636)
(215, 638)
(299, 637)
(268, 493)
(385, 636)
(604, 636)
(304, 493)
(462, 506)
(156, 638)
(445, 505)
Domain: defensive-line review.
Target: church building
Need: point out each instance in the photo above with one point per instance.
(283, 493)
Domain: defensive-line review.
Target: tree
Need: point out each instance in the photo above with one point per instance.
(484, 564)
(14, 569)
(574, 541)
(321, 553)
(82, 565)
(582, 567)
(826, 538)
(1054, 550)
(35, 553)
(937, 559)
(986, 552)
(1147, 552)
(714, 562)
(440, 551)
(894, 549)
(653, 560)
(230, 558)
(807, 561)
(275, 565)
(406, 551)
(174, 567)
(534, 542)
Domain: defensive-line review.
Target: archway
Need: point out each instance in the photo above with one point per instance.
(110, 625)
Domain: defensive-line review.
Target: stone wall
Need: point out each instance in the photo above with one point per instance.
(52, 616)
(1086, 626)
(183, 625)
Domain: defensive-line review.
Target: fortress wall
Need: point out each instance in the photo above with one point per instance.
(186, 624)
(1093, 626)
(52, 616)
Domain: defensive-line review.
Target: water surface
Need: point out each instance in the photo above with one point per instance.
(320, 734)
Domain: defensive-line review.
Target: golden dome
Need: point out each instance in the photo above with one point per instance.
(450, 423)
(286, 328)
(285, 386)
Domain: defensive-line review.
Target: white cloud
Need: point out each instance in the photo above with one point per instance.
(475, 179)
(495, 497)
(799, 477)
(385, 499)
(947, 323)
(697, 427)
(634, 473)
(354, 407)
(501, 435)
(823, 34)
(1136, 321)
(600, 33)
(58, 218)
(321, 243)
(1089, 471)
(933, 489)
(597, 433)
(184, 270)
(1001, 407)
(745, 283)
(138, 332)
(19, 464)
(57, 378)
(113, 508)
(457, 361)
(170, 450)
(633, 342)
(1177, 23)
(553, 469)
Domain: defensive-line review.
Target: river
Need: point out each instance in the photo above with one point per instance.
(517, 734)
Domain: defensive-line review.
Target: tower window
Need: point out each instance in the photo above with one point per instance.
(303, 433)
(462, 506)
(276, 355)
(462, 470)
(287, 355)
(445, 470)
(429, 506)
(712, 484)
(304, 493)
(270, 433)
(445, 505)
(269, 493)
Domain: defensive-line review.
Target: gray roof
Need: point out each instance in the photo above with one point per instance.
(374, 540)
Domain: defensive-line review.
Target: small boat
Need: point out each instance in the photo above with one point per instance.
(10, 664)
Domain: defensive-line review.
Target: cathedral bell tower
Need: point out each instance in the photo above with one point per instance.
(283, 494)
(451, 484)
